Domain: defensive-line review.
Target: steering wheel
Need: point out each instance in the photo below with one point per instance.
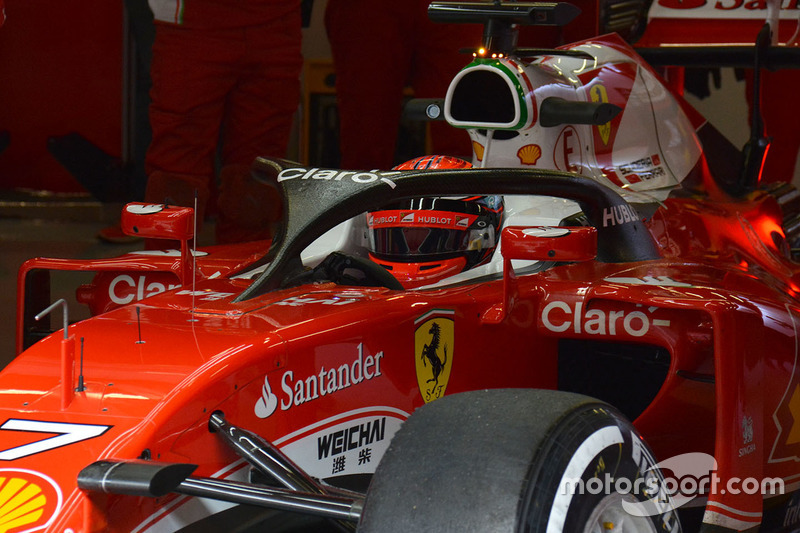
(344, 269)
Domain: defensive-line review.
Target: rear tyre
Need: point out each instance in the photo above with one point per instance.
(500, 461)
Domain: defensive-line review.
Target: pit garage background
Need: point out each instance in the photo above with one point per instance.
(73, 125)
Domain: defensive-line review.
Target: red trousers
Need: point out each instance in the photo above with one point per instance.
(379, 47)
(223, 96)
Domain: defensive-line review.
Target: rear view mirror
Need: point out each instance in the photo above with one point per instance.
(546, 243)
(538, 243)
(158, 221)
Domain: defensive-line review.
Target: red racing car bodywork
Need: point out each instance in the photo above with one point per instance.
(222, 387)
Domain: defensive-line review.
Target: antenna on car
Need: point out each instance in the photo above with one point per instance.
(81, 386)
(194, 251)
(139, 324)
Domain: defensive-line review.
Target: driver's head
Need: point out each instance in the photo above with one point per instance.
(424, 240)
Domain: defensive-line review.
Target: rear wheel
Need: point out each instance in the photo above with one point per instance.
(516, 460)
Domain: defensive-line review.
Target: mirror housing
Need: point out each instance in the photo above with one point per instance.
(538, 243)
(161, 221)
(158, 221)
(547, 243)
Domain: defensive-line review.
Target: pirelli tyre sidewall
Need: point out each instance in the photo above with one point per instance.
(594, 469)
(495, 460)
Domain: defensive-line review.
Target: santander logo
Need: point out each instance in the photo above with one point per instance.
(268, 402)
(682, 4)
(720, 9)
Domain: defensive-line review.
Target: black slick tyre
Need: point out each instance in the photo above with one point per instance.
(516, 461)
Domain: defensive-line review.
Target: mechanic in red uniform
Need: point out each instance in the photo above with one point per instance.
(224, 73)
(379, 47)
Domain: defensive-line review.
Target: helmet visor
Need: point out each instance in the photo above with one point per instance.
(426, 235)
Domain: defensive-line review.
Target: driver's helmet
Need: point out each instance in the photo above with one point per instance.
(424, 240)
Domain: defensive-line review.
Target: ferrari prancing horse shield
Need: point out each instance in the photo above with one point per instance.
(433, 343)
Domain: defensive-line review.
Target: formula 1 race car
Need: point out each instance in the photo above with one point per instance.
(593, 326)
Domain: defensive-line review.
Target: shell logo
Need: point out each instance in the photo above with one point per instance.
(478, 149)
(29, 501)
(529, 154)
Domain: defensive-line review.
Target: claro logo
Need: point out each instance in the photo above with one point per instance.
(558, 317)
(124, 289)
(337, 175)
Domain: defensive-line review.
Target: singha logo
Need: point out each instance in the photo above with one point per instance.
(747, 437)
(747, 429)
(434, 348)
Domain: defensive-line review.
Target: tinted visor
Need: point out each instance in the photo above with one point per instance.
(427, 235)
(417, 243)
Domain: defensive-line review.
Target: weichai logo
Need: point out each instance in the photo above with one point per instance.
(29, 501)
